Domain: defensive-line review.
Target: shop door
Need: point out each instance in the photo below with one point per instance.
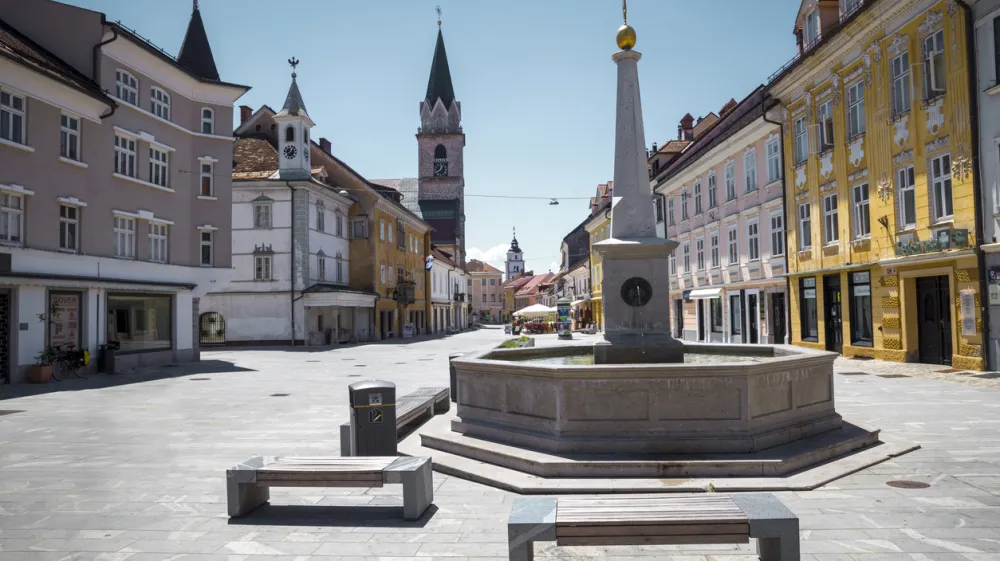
(934, 325)
(5, 337)
(212, 329)
(778, 318)
(833, 317)
(753, 318)
(701, 320)
(679, 318)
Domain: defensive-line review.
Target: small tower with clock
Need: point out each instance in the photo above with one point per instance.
(293, 124)
(515, 259)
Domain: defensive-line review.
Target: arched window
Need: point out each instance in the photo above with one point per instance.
(290, 134)
(440, 161)
(207, 120)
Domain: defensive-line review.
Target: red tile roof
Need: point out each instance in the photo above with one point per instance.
(531, 287)
(477, 266)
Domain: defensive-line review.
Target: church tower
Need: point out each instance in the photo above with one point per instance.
(441, 142)
(293, 133)
(515, 259)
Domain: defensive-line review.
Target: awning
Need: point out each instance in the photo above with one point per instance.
(705, 293)
(339, 299)
(578, 302)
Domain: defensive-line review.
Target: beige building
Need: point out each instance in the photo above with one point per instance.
(485, 291)
(115, 207)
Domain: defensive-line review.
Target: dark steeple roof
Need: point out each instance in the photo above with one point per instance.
(513, 244)
(293, 101)
(196, 53)
(439, 85)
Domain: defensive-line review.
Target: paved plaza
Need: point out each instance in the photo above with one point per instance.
(132, 467)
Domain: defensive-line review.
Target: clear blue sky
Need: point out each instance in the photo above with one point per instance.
(535, 79)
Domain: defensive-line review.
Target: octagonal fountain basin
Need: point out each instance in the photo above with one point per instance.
(722, 399)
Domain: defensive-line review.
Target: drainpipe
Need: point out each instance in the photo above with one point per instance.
(291, 266)
(784, 214)
(95, 75)
(977, 181)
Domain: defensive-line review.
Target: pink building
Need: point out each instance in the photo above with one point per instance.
(722, 200)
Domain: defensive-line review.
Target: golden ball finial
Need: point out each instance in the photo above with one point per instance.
(626, 37)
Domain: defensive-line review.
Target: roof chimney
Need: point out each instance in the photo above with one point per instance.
(686, 129)
(245, 113)
(325, 145)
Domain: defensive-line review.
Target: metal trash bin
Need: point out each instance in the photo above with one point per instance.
(106, 360)
(373, 418)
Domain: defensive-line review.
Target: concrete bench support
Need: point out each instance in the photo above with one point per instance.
(773, 524)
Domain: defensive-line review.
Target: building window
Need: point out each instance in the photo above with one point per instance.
(658, 207)
(773, 159)
(899, 69)
(777, 234)
(712, 190)
(359, 228)
(672, 260)
(206, 249)
(381, 230)
(390, 232)
(753, 241)
(126, 87)
(735, 315)
(158, 167)
(750, 169)
(805, 226)
(670, 212)
(69, 137)
(339, 222)
(699, 246)
(207, 121)
(484, 298)
(941, 187)
(69, 228)
(856, 110)
(340, 268)
(159, 103)
(687, 259)
(262, 267)
(907, 198)
(831, 227)
(811, 30)
(382, 273)
(732, 243)
(140, 323)
(124, 156)
(847, 7)
(320, 216)
(157, 242)
(996, 50)
(493, 297)
(697, 198)
(824, 114)
(861, 309)
(11, 212)
(262, 215)
(730, 172)
(684, 205)
(440, 161)
(207, 180)
(12, 109)
(124, 237)
(862, 220)
(801, 132)
(934, 65)
(321, 268)
(715, 307)
(482, 282)
(714, 249)
(807, 309)
(493, 282)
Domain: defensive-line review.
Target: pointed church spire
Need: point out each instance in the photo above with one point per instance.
(196, 53)
(293, 101)
(439, 84)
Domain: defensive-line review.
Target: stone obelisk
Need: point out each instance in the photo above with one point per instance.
(636, 272)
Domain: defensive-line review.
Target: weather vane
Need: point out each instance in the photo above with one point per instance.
(293, 62)
(438, 10)
(625, 11)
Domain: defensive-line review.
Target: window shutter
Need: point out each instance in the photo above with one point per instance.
(814, 139)
(924, 70)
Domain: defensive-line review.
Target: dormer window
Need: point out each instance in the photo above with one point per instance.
(440, 161)
(810, 31)
(126, 87)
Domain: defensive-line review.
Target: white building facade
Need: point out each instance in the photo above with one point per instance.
(449, 308)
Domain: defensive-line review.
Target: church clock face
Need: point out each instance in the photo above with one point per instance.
(440, 169)
(290, 152)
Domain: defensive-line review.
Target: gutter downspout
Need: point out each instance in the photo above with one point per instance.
(97, 49)
(291, 266)
(977, 181)
(784, 214)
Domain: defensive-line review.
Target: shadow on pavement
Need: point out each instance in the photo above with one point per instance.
(348, 516)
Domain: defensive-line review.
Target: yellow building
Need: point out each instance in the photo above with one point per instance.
(400, 241)
(880, 201)
(598, 228)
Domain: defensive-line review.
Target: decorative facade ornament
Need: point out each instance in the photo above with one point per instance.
(884, 188)
(930, 23)
(836, 89)
(866, 58)
(952, 8)
(829, 185)
(903, 157)
(898, 44)
(877, 53)
(808, 99)
(784, 119)
(935, 116)
(858, 175)
(902, 133)
(857, 151)
(936, 144)
(854, 73)
(961, 167)
(800, 177)
(826, 164)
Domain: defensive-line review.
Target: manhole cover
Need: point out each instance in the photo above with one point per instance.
(905, 484)
(199, 379)
(853, 373)
(9, 412)
(280, 394)
(892, 375)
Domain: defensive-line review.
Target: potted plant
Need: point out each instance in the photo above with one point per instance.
(41, 371)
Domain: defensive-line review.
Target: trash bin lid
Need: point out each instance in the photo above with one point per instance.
(371, 385)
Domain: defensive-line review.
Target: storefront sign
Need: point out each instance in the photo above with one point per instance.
(890, 271)
(64, 319)
(862, 277)
(863, 290)
(968, 300)
(809, 282)
(407, 331)
(809, 293)
(943, 239)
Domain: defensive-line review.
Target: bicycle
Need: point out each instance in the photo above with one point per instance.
(68, 360)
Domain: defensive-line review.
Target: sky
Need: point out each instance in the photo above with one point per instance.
(535, 79)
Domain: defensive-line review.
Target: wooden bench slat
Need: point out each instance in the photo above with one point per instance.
(655, 540)
(639, 518)
(654, 530)
(321, 483)
(648, 500)
(327, 461)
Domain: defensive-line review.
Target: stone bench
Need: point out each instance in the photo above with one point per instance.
(248, 484)
(421, 404)
(653, 520)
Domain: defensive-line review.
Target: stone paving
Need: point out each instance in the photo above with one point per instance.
(132, 468)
